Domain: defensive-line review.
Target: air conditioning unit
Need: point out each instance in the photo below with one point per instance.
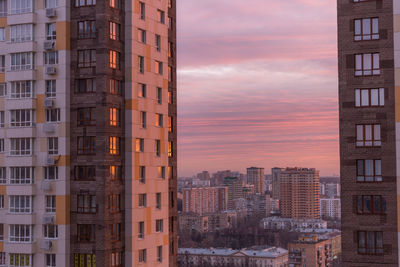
(51, 70)
(50, 12)
(49, 127)
(48, 219)
(45, 244)
(48, 103)
(49, 45)
(50, 160)
(46, 185)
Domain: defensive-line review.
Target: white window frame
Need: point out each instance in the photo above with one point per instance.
(21, 146)
(3, 89)
(2, 119)
(22, 118)
(21, 33)
(21, 6)
(51, 3)
(22, 89)
(50, 204)
(22, 61)
(51, 173)
(22, 175)
(50, 231)
(52, 145)
(3, 175)
(50, 58)
(53, 115)
(20, 233)
(20, 204)
(51, 88)
(2, 34)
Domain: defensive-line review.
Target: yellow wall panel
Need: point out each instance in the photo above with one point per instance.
(63, 35)
(3, 22)
(2, 78)
(40, 117)
(63, 209)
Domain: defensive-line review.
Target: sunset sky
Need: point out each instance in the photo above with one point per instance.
(257, 82)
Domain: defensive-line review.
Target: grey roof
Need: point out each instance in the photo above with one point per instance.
(270, 252)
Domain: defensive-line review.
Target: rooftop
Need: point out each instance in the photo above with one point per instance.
(270, 252)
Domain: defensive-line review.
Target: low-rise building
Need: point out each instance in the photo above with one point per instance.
(289, 224)
(271, 257)
(330, 208)
(310, 251)
(193, 221)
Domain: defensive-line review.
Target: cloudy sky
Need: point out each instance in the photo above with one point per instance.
(257, 85)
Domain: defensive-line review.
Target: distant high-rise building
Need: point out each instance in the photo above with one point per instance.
(88, 138)
(202, 200)
(332, 190)
(276, 182)
(369, 123)
(204, 175)
(255, 176)
(300, 193)
(330, 208)
(218, 177)
(235, 190)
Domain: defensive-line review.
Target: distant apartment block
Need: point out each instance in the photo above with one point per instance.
(299, 193)
(288, 224)
(271, 257)
(310, 251)
(202, 200)
(276, 182)
(330, 208)
(255, 176)
(235, 190)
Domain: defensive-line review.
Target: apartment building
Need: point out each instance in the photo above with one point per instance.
(330, 208)
(299, 198)
(369, 86)
(88, 133)
(202, 200)
(255, 176)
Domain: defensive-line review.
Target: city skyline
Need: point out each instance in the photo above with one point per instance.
(282, 72)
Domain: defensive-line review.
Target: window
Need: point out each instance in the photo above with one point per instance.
(85, 86)
(87, 58)
(1, 201)
(2, 119)
(142, 9)
(161, 172)
(21, 175)
(142, 90)
(3, 175)
(159, 120)
(158, 148)
(21, 146)
(50, 231)
(159, 253)
(115, 231)
(169, 3)
(367, 64)
(366, 29)
(20, 233)
(371, 205)
(142, 36)
(158, 67)
(368, 135)
(142, 255)
(85, 173)
(22, 61)
(115, 173)
(22, 89)
(369, 170)
(170, 124)
(142, 200)
(170, 97)
(142, 174)
(161, 16)
(85, 117)
(87, 29)
(3, 88)
(21, 6)
(20, 260)
(86, 145)
(170, 49)
(53, 115)
(87, 204)
(158, 200)
(50, 204)
(115, 87)
(370, 242)
(170, 172)
(3, 8)
(141, 230)
(21, 118)
(21, 33)
(86, 232)
(51, 173)
(143, 119)
(80, 3)
(50, 3)
(51, 88)
(170, 74)
(159, 226)
(50, 58)
(170, 149)
(2, 34)
(159, 95)
(51, 31)
(1, 239)
(116, 259)
(141, 64)
(52, 145)
(20, 204)
(115, 3)
(158, 42)
(50, 260)
(2, 63)
(114, 203)
(114, 145)
(370, 97)
(114, 31)
(139, 145)
(82, 258)
(115, 117)
(114, 59)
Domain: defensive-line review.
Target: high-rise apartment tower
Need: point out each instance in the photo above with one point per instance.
(88, 133)
(255, 176)
(369, 111)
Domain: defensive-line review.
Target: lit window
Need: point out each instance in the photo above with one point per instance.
(161, 16)
(114, 59)
(115, 3)
(114, 31)
(114, 117)
(114, 145)
(159, 120)
(158, 67)
(161, 171)
(139, 145)
(142, 90)
(115, 173)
